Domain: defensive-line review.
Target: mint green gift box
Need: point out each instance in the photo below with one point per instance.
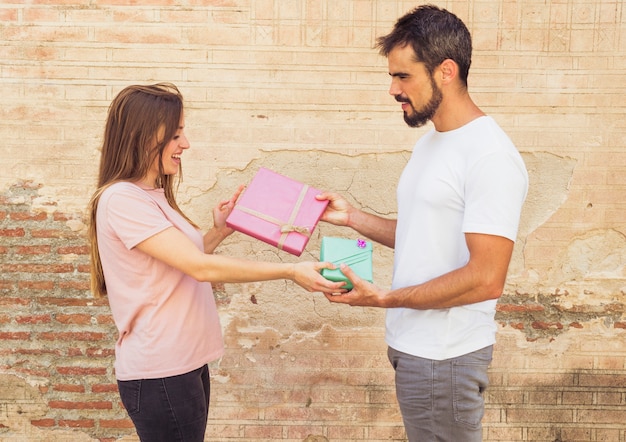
(355, 253)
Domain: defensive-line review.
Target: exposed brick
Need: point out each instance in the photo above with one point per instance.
(116, 423)
(43, 423)
(77, 318)
(295, 83)
(74, 285)
(17, 232)
(35, 285)
(77, 250)
(104, 388)
(4, 301)
(23, 216)
(81, 371)
(70, 388)
(14, 336)
(33, 319)
(32, 250)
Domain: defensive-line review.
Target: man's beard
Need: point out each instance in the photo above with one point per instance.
(426, 113)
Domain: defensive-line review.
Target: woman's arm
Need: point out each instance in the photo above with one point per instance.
(175, 249)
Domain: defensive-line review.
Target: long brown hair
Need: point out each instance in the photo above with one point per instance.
(140, 123)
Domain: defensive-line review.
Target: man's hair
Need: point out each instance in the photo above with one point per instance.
(435, 35)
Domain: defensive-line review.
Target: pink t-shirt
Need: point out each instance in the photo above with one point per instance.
(167, 321)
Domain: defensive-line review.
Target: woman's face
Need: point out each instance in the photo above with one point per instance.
(171, 158)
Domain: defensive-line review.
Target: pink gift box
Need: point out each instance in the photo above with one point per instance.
(277, 210)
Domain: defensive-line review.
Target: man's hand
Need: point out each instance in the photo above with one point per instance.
(363, 293)
(338, 210)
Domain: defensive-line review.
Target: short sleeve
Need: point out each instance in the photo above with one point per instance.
(130, 214)
(495, 191)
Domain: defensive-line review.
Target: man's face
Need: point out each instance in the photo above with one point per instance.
(413, 86)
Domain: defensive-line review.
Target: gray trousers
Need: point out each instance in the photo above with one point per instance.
(442, 400)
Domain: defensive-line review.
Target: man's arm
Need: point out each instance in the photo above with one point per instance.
(341, 213)
(481, 279)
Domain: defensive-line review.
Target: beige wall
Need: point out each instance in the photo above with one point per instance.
(295, 85)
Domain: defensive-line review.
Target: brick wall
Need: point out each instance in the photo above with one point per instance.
(296, 86)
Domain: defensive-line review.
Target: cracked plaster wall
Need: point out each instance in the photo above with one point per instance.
(262, 88)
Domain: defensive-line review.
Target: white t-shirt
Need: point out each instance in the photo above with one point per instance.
(167, 321)
(469, 180)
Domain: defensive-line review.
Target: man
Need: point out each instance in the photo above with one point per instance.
(459, 203)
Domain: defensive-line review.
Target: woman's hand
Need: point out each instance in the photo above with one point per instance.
(220, 231)
(224, 208)
(307, 275)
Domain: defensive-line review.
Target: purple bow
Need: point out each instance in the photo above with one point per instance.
(360, 243)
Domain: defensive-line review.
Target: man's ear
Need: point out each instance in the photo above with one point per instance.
(448, 70)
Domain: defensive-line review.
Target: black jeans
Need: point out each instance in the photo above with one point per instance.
(169, 409)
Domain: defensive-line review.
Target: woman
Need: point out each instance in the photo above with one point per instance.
(156, 267)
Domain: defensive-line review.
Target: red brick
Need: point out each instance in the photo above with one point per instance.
(43, 423)
(51, 233)
(34, 319)
(116, 423)
(17, 232)
(70, 388)
(76, 250)
(75, 352)
(25, 216)
(17, 336)
(104, 388)
(81, 371)
(74, 285)
(14, 301)
(35, 285)
(77, 318)
(33, 250)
